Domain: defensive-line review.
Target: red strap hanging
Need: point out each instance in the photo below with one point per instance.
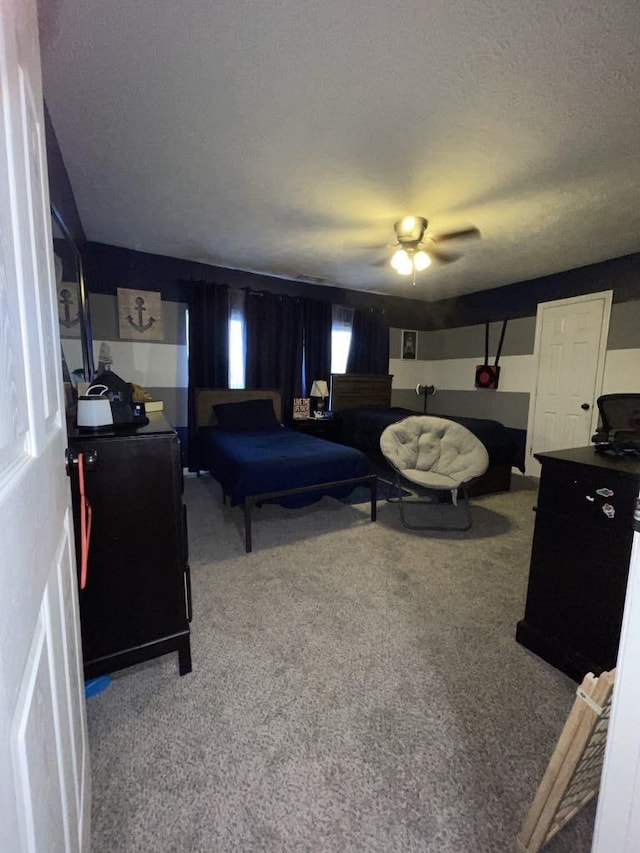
(85, 524)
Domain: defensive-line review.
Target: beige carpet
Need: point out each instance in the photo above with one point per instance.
(356, 687)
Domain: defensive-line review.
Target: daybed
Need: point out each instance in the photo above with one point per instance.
(256, 460)
(361, 405)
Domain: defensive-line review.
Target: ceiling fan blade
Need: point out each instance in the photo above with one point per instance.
(443, 257)
(455, 235)
(352, 244)
(384, 262)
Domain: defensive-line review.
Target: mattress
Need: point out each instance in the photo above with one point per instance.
(257, 462)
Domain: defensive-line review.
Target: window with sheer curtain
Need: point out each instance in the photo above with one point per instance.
(237, 338)
(341, 326)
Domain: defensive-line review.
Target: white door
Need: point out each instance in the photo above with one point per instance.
(570, 349)
(44, 771)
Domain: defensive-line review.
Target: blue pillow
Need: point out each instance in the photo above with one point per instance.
(249, 415)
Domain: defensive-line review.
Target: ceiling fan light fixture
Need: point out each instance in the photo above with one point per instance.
(401, 262)
(421, 260)
(410, 229)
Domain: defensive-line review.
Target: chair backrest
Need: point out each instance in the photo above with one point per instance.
(426, 443)
(620, 412)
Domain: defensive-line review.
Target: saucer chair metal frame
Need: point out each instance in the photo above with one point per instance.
(435, 454)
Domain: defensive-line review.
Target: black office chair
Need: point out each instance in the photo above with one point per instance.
(619, 433)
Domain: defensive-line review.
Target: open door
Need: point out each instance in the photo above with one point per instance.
(44, 761)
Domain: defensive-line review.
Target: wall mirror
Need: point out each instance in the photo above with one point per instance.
(73, 308)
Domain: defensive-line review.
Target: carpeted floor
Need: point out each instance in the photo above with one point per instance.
(356, 687)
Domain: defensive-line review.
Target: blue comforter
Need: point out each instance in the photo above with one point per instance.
(271, 460)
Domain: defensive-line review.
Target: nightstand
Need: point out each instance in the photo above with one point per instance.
(325, 428)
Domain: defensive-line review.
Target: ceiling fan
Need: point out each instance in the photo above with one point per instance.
(415, 249)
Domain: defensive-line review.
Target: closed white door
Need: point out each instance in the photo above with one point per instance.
(44, 770)
(571, 338)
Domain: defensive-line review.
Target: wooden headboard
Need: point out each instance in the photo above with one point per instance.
(360, 390)
(206, 398)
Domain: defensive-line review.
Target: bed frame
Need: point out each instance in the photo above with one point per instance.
(369, 390)
(206, 398)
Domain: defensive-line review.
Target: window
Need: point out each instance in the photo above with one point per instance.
(236, 339)
(341, 325)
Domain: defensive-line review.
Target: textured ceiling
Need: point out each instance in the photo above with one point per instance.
(286, 136)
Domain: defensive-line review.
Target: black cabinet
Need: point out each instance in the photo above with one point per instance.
(137, 600)
(580, 559)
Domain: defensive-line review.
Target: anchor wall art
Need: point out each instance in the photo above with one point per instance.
(140, 315)
(69, 309)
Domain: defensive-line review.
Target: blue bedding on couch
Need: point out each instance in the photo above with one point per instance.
(362, 428)
(253, 462)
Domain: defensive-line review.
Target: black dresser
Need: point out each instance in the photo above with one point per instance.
(136, 604)
(580, 559)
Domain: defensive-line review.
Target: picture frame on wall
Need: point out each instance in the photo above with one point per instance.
(409, 344)
(140, 315)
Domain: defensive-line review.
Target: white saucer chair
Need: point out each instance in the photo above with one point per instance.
(435, 454)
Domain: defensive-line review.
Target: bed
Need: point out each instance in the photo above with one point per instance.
(256, 460)
(361, 405)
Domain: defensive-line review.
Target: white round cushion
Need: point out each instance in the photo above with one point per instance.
(434, 452)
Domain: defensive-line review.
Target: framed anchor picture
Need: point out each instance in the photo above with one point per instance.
(140, 315)
(68, 307)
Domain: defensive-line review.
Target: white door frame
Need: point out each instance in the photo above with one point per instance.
(617, 827)
(607, 297)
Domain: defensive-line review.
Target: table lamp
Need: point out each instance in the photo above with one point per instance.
(319, 390)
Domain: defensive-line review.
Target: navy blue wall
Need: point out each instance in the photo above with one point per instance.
(109, 267)
(622, 275)
(60, 191)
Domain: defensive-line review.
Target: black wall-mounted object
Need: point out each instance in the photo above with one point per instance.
(425, 391)
(488, 375)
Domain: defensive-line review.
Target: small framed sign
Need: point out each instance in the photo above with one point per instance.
(301, 408)
(409, 344)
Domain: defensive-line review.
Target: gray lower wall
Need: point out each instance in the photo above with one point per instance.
(511, 409)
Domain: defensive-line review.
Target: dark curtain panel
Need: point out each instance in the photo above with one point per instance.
(274, 326)
(369, 350)
(208, 347)
(317, 341)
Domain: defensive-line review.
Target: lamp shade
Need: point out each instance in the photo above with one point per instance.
(401, 262)
(421, 260)
(319, 388)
